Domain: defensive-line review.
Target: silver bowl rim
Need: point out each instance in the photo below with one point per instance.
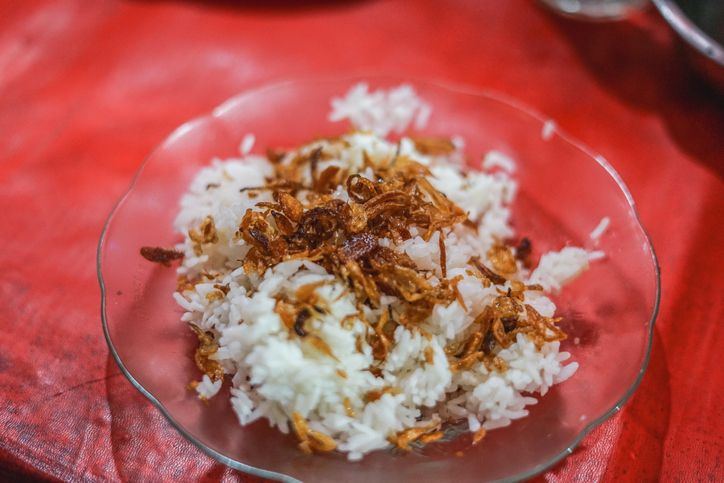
(689, 31)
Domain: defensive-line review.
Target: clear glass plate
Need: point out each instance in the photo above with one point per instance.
(565, 190)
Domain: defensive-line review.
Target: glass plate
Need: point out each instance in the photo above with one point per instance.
(565, 190)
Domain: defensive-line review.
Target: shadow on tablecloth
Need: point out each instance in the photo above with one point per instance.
(652, 75)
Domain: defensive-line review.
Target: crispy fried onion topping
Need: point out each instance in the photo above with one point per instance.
(306, 222)
(311, 441)
(161, 255)
(344, 236)
(421, 434)
(207, 347)
(497, 326)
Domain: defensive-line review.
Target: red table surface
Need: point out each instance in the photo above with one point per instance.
(87, 88)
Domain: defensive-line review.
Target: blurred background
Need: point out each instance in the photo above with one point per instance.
(88, 88)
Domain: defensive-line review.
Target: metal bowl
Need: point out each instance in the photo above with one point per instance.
(700, 23)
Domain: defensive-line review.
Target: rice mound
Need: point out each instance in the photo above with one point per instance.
(283, 378)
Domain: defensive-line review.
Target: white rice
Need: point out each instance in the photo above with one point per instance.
(549, 128)
(556, 269)
(206, 388)
(381, 112)
(274, 375)
(247, 144)
(600, 229)
(496, 159)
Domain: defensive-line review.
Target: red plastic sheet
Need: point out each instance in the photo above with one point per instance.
(87, 88)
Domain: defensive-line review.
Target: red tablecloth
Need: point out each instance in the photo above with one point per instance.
(87, 88)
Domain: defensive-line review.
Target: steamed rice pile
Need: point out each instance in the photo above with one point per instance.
(313, 349)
